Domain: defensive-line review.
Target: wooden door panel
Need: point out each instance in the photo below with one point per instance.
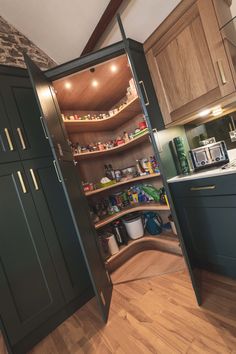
(188, 61)
(30, 293)
(185, 66)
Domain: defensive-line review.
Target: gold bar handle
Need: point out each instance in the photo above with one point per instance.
(203, 188)
(11, 148)
(145, 92)
(21, 138)
(221, 70)
(21, 182)
(36, 186)
(57, 172)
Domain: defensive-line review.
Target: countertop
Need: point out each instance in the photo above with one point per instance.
(211, 172)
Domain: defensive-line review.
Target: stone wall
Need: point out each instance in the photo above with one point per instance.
(13, 44)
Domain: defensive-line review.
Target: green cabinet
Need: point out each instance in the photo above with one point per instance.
(30, 292)
(54, 215)
(206, 210)
(8, 150)
(20, 115)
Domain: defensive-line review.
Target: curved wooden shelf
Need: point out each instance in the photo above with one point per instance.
(166, 242)
(135, 179)
(131, 209)
(136, 141)
(129, 111)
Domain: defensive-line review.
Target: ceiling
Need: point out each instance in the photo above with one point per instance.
(83, 96)
(62, 28)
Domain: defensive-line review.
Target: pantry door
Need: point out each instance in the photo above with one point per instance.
(153, 117)
(68, 175)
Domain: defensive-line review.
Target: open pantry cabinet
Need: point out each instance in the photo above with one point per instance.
(100, 110)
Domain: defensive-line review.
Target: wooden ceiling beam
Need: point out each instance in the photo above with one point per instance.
(102, 25)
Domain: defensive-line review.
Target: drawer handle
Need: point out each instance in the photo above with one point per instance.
(145, 93)
(21, 138)
(36, 186)
(43, 126)
(221, 70)
(9, 139)
(21, 182)
(57, 172)
(203, 188)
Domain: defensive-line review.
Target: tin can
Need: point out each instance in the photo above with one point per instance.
(118, 175)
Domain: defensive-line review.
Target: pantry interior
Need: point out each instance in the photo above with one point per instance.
(114, 156)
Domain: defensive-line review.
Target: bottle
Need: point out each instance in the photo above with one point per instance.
(140, 168)
(107, 174)
(111, 172)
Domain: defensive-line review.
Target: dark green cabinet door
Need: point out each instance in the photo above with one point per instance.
(50, 111)
(55, 218)
(8, 147)
(23, 112)
(208, 227)
(76, 200)
(30, 293)
(87, 235)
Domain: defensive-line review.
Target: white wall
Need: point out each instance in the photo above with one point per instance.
(140, 18)
(233, 8)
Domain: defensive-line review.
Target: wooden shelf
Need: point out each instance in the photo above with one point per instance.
(129, 111)
(131, 209)
(166, 242)
(135, 179)
(131, 143)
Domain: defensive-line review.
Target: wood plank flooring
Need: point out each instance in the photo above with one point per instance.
(153, 315)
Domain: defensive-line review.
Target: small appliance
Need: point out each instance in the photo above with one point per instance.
(209, 155)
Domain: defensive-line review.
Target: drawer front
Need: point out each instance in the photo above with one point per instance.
(220, 185)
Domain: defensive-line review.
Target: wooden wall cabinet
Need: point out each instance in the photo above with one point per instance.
(188, 61)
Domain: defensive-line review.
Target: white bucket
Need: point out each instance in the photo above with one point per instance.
(134, 226)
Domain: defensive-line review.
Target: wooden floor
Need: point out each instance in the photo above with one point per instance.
(146, 264)
(153, 315)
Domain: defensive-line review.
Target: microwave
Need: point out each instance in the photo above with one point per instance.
(209, 155)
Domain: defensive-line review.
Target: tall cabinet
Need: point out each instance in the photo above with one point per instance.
(43, 275)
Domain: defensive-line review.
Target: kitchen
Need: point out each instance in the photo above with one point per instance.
(193, 98)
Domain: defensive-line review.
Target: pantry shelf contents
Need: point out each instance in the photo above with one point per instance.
(110, 122)
(117, 184)
(166, 242)
(142, 137)
(130, 209)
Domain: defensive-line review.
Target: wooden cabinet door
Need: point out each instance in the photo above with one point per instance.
(188, 62)
(8, 147)
(76, 200)
(50, 201)
(208, 226)
(30, 293)
(23, 112)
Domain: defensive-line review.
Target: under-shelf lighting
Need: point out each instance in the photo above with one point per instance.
(216, 111)
(204, 113)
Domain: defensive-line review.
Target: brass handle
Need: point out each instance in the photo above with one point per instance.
(221, 70)
(203, 188)
(21, 138)
(11, 148)
(36, 186)
(21, 182)
(145, 92)
(43, 126)
(57, 172)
